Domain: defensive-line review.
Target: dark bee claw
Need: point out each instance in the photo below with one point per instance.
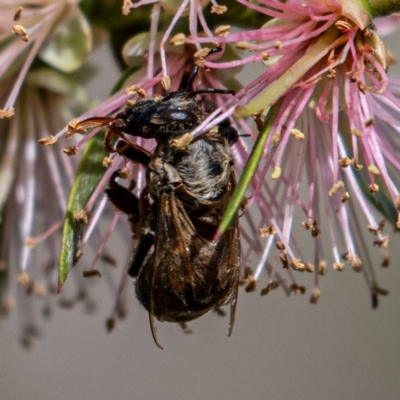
(133, 153)
(123, 199)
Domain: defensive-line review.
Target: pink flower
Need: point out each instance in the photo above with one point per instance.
(322, 158)
(35, 181)
(330, 136)
(324, 145)
(54, 31)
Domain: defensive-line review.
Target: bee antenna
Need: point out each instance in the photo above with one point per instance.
(196, 68)
(192, 78)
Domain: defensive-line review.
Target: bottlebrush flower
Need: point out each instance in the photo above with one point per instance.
(324, 158)
(37, 100)
(322, 151)
(35, 182)
(54, 31)
(330, 139)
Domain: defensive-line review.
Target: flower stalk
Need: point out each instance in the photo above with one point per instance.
(382, 8)
(328, 41)
(249, 170)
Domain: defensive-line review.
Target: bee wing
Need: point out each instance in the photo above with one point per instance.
(173, 234)
(171, 259)
(232, 255)
(183, 262)
(233, 260)
(187, 261)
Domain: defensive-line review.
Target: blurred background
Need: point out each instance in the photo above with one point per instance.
(281, 347)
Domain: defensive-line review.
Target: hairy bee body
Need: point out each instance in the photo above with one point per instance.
(188, 272)
(181, 269)
(199, 174)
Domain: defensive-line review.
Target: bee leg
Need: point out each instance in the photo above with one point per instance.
(185, 328)
(123, 199)
(133, 152)
(128, 203)
(153, 328)
(196, 68)
(219, 311)
(212, 91)
(142, 250)
(226, 129)
(233, 301)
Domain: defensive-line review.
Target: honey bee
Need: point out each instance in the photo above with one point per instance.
(181, 270)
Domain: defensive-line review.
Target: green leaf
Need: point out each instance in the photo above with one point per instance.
(66, 85)
(89, 174)
(248, 172)
(137, 47)
(70, 44)
(87, 6)
(53, 81)
(121, 81)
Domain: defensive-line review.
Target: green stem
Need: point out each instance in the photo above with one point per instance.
(248, 172)
(381, 8)
(277, 88)
(358, 11)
